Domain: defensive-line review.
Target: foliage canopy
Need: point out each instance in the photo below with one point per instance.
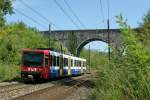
(5, 8)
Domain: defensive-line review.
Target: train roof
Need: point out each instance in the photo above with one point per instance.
(55, 53)
(66, 56)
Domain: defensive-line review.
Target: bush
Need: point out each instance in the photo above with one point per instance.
(8, 71)
(127, 76)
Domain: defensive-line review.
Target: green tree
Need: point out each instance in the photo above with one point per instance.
(5, 8)
(15, 37)
(144, 32)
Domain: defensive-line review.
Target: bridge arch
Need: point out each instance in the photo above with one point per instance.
(79, 48)
(85, 36)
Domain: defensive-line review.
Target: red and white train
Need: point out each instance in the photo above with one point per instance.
(48, 64)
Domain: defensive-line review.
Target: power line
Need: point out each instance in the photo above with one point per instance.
(40, 15)
(108, 24)
(74, 14)
(102, 12)
(63, 10)
(108, 9)
(30, 18)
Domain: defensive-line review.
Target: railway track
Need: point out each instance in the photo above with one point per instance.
(5, 89)
(8, 91)
(56, 92)
(13, 91)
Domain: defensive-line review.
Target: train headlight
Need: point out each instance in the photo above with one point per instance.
(30, 76)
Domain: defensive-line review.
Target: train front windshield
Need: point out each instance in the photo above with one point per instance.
(32, 59)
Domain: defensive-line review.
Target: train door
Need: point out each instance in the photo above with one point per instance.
(69, 66)
(46, 67)
(61, 65)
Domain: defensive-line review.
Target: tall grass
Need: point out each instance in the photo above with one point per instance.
(8, 71)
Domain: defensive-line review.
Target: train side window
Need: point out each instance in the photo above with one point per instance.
(80, 63)
(46, 62)
(71, 62)
(75, 63)
(65, 62)
(54, 60)
(51, 60)
(84, 64)
(57, 60)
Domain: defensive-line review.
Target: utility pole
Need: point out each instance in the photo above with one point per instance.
(89, 57)
(49, 35)
(108, 39)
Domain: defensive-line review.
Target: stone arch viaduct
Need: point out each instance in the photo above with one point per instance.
(85, 36)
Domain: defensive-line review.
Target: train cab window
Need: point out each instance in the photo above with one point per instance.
(57, 60)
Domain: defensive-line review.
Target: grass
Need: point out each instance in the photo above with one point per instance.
(8, 72)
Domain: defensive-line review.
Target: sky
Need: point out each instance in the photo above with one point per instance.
(88, 11)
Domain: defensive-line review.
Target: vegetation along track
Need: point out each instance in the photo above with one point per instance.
(59, 91)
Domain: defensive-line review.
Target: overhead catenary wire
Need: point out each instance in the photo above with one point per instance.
(108, 24)
(102, 12)
(39, 14)
(108, 9)
(69, 17)
(74, 14)
(30, 18)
